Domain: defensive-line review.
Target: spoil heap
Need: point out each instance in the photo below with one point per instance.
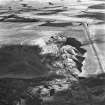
(63, 56)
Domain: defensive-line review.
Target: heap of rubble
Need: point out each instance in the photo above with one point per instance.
(64, 56)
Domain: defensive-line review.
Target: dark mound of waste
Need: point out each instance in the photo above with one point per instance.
(21, 59)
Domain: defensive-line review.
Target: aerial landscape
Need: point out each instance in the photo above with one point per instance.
(52, 52)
